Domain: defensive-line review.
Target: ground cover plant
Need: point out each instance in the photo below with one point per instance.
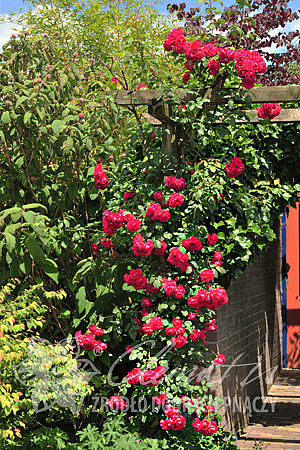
(123, 250)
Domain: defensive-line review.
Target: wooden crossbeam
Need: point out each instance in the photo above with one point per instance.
(286, 115)
(265, 94)
(160, 109)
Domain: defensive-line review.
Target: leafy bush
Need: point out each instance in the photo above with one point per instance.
(22, 312)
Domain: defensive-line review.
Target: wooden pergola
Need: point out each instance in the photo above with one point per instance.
(160, 111)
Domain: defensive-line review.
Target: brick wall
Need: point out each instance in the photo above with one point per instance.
(249, 334)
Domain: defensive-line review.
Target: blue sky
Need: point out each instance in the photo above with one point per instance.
(11, 5)
(15, 5)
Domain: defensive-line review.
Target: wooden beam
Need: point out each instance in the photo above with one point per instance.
(152, 120)
(286, 115)
(264, 94)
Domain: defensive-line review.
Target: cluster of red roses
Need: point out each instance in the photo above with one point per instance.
(136, 279)
(128, 195)
(154, 324)
(175, 199)
(176, 331)
(155, 212)
(269, 110)
(235, 167)
(179, 259)
(206, 276)
(88, 341)
(106, 243)
(175, 420)
(217, 260)
(172, 289)
(100, 178)
(248, 63)
(175, 183)
(192, 244)
(148, 378)
(140, 247)
(205, 427)
(113, 221)
(213, 299)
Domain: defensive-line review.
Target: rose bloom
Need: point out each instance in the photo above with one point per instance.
(143, 87)
(95, 330)
(128, 195)
(116, 403)
(106, 243)
(175, 199)
(95, 248)
(207, 276)
(175, 183)
(269, 110)
(211, 326)
(192, 244)
(179, 341)
(158, 197)
(191, 316)
(213, 66)
(212, 239)
(234, 168)
(219, 359)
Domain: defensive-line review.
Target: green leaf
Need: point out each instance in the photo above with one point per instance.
(21, 100)
(33, 206)
(51, 269)
(5, 118)
(58, 126)
(41, 112)
(68, 144)
(81, 299)
(157, 244)
(35, 250)
(30, 217)
(2, 136)
(10, 242)
(27, 117)
(9, 211)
